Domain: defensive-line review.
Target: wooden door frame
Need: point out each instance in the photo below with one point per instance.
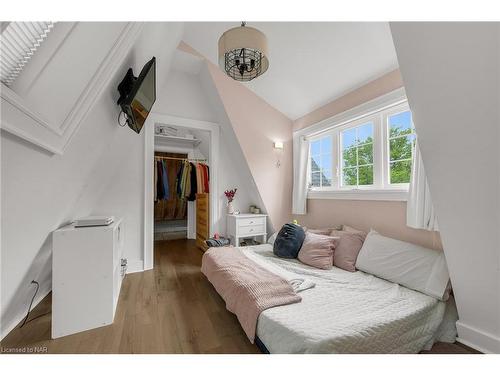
(149, 149)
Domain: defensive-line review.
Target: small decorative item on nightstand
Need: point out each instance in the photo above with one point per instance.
(230, 197)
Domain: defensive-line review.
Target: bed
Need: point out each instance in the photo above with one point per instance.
(349, 312)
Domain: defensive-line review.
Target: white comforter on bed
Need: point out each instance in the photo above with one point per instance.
(346, 312)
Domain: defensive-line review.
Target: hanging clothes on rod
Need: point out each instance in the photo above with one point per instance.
(160, 192)
(162, 189)
(193, 183)
(203, 177)
(166, 189)
(191, 178)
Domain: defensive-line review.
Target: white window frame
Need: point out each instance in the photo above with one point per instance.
(321, 166)
(386, 114)
(376, 111)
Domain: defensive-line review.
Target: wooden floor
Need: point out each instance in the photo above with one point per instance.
(171, 309)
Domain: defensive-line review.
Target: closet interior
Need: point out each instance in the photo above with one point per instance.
(181, 177)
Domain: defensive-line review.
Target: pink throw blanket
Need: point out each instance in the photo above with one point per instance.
(247, 288)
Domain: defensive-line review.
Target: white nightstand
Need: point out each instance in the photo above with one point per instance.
(246, 225)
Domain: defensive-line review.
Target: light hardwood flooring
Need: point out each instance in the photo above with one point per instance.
(171, 309)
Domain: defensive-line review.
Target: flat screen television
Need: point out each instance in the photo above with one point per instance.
(137, 95)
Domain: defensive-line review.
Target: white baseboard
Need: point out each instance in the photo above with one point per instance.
(477, 339)
(135, 265)
(9, 326)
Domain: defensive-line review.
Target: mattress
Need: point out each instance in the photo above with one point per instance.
(348, 312)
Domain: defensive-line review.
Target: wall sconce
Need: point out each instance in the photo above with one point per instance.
(278, 146)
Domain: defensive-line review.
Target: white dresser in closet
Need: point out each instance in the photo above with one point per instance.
(87, 272)
(245, 226)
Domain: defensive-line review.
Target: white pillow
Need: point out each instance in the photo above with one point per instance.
(271, 239)
(413, 266)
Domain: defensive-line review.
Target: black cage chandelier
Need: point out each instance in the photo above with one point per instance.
(243, 53)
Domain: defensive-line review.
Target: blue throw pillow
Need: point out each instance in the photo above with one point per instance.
(289, 241)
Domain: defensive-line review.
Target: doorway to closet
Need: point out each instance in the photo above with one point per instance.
(170, 210)
(181, 179)
(181, 199)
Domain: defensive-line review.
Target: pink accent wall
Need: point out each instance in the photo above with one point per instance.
(386, 217)
(257, 126)
(380, 86)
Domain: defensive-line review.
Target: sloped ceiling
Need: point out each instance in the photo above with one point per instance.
(311, 64)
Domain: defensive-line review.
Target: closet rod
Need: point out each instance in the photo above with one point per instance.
(174, 158)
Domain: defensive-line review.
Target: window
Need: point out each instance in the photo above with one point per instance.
(366, 153)
(321, 162)
(401, 142)
(19, 42)
(357, 155)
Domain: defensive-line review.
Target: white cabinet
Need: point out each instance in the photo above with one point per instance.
(246, 225)
(87, 272)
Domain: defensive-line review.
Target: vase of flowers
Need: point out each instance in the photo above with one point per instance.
(230, 197)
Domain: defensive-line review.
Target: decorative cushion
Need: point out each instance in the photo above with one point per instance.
(317, 250)
(410, 265)
(324, 231)
(347, 228)
(289, 241)
(347, 249)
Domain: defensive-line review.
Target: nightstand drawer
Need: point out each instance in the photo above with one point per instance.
(251, 230)
(251, 221)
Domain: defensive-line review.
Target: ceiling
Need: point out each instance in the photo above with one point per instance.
(311, 64)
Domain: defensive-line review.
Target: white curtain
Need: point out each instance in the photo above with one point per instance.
(420, 212)
(300, 170)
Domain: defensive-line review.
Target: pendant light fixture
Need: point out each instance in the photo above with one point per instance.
(243, 53)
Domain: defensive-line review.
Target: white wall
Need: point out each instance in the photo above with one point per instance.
(182, 97)
(101, 171)
(233, 167)
(186, 96)
(451, 75)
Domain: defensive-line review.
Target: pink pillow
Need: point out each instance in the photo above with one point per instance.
(347, 228)
(324, 231)
(318, 250)
(347, 249)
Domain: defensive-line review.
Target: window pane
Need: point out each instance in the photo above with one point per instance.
(349, 157)
(315, 147)
(326, 145)
(366, 175)
(365, 154)
(400, 172)
(327, 178)
(315, 179)
(365, 133)
(348, 138)
(400, 124)
(326, 162)
(349, 176)
(400, 148)
(315, 163)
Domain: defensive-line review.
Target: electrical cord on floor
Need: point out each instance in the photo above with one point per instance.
(31, 303)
